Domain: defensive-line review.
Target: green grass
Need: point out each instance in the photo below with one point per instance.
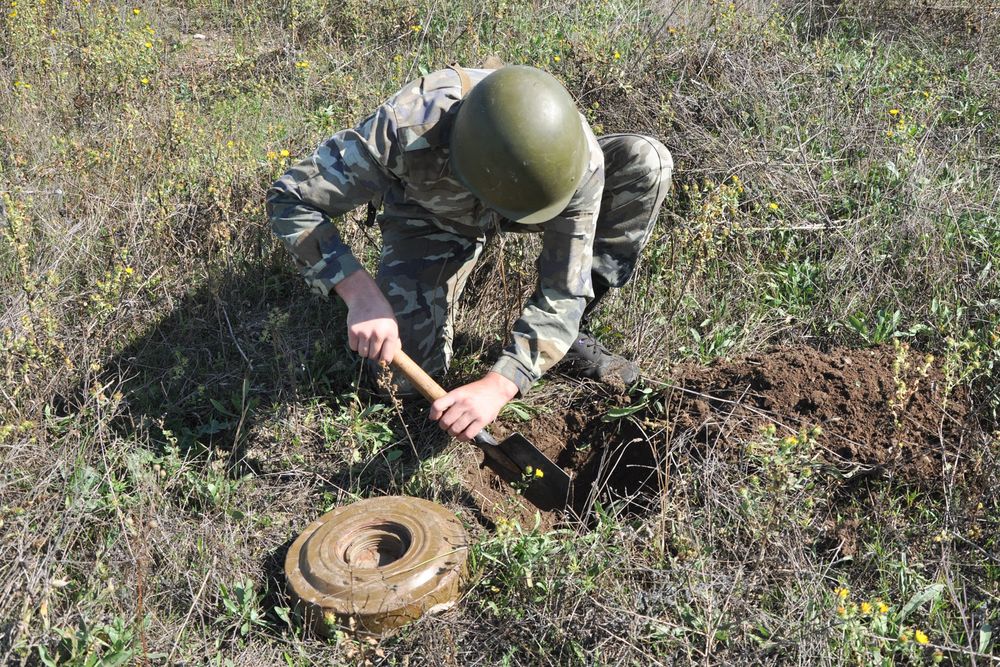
(175, 407)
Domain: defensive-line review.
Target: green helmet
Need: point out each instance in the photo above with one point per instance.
(518, 144)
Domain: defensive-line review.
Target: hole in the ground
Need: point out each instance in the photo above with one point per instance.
(376, 545)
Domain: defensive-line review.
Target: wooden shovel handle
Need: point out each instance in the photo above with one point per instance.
(501, 458)
(424, 383)
(499, 461)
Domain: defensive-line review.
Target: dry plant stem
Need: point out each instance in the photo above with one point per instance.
(384, 380)
(187, 618)
(161, 361)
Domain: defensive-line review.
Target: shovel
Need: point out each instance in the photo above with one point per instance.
(518, 462)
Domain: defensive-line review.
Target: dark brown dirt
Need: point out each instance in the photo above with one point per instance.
(876, 407)
(880, 412)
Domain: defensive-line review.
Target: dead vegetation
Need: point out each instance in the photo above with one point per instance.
(174, 407)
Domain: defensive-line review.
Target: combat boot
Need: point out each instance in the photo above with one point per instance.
(588, 358)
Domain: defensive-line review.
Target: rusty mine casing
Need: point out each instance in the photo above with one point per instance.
(377, 564)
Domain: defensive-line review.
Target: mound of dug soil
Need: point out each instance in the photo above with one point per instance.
(881, 410)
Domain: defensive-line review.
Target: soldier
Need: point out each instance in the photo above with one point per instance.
(453, 158)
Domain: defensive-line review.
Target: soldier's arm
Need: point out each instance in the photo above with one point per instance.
(550, 320)
(347, 170)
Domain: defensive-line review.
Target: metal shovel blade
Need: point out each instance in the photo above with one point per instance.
(519, 463)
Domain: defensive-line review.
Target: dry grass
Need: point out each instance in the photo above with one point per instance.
(174, 407)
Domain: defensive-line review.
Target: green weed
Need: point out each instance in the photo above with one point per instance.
(174, 406)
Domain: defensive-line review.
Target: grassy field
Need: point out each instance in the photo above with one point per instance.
(175, 406)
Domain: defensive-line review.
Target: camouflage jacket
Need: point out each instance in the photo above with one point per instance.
(399, 154)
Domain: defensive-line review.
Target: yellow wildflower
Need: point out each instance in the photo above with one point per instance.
(148, 45)
(272, 155)
(144, 81)
(773, 206)
(841, 592)
(920, 637)
(893, 112)
(866, 607)
(538, 473)
(556, 58)
(841, 610)
(415, 28)
(302, 64)
(284, 152)
(136, 11)
(617, 55)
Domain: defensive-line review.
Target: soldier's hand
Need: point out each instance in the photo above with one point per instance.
(465, 411)
(372, 331)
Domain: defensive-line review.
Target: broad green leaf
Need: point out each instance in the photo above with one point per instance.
(930, 593)
(985, 636)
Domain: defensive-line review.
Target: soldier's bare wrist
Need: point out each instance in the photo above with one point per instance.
(507, 388)
(357, 288)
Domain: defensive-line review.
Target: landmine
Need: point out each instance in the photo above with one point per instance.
(377, 564)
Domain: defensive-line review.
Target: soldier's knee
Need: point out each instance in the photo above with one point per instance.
(659, 162)
(651, 158)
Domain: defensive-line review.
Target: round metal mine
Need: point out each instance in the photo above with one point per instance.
(377, 564)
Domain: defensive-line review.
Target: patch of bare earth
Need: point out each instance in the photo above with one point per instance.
(881, 412)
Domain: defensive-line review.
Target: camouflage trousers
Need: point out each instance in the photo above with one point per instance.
(423, 269)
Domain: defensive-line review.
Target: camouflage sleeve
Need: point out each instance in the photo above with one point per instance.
(550, 320)
(347, 170)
